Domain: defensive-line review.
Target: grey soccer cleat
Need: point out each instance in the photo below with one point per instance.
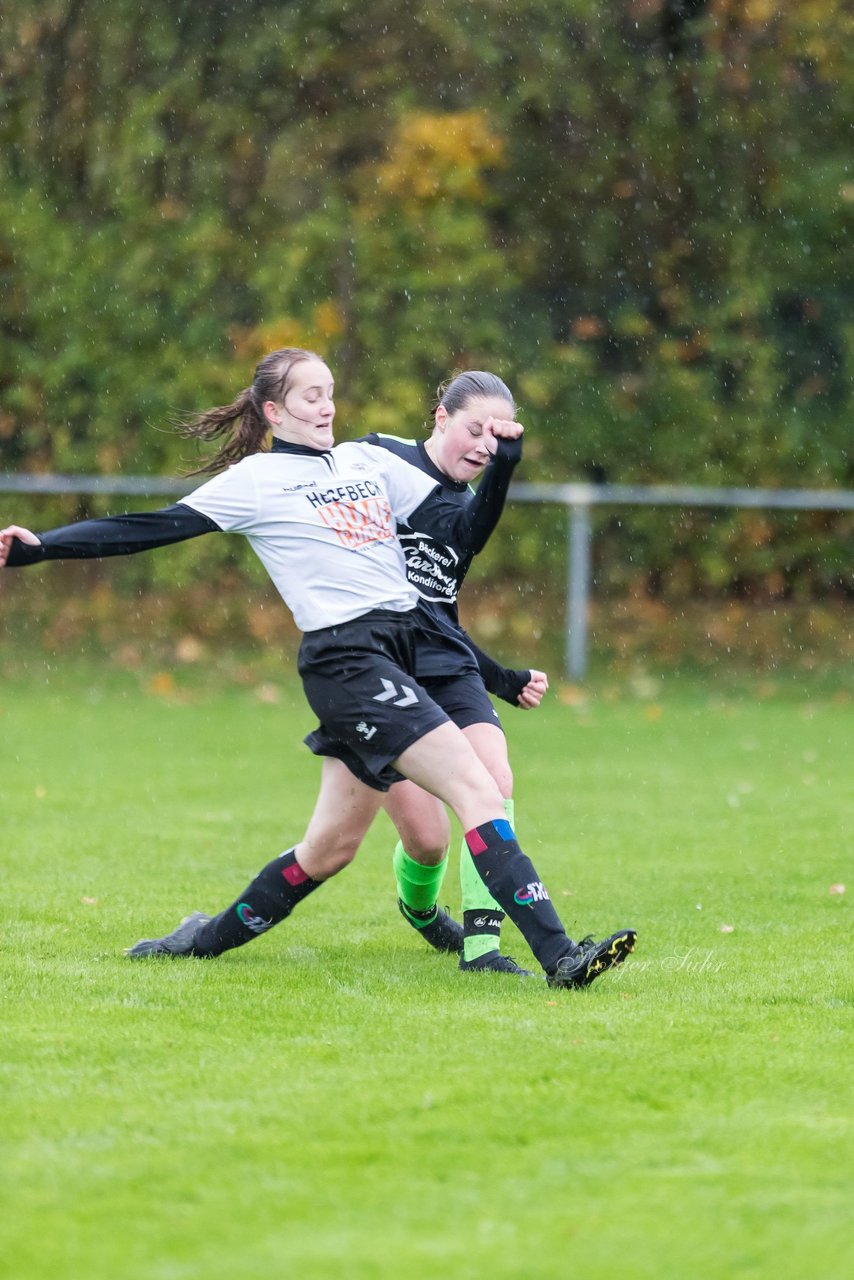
(177, 943)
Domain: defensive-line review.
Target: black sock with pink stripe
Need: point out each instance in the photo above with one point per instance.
(511, 878)
(269, 899)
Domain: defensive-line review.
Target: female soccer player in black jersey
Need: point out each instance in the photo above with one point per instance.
(322, 520)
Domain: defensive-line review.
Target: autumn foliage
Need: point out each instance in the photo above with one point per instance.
(640, 213)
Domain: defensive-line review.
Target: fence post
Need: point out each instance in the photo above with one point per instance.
(578, 589)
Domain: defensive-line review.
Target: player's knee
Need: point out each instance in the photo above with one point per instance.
(325, 858)
(425, 833)
(428, 848)
(480, 788)
(342, 854)
(502, 776)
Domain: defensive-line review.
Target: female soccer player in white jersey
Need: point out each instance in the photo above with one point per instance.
(322, 520)
(454, 454)
(447, 662)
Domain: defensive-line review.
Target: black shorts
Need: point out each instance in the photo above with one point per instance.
(358, 681)
(463, 699)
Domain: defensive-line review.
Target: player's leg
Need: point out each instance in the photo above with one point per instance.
(344, 810)
(444, 762)
(482, 915)
(464, 699)
(412, 734)
(420, 861)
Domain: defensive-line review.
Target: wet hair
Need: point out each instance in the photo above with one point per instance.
(457, 391)
(243, 421)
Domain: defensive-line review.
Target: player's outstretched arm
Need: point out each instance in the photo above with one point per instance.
(108, 536)
(8, 536)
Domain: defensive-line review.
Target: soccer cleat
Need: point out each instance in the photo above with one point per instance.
(590, 959)
(177, 943)
(435, 927)
(494, 962)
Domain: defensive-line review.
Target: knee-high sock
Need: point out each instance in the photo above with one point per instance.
(418, 885)
(482, 915)
(512, 879)
(270, 897)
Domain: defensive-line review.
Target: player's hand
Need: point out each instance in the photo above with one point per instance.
(15, 531)
(495, 429)
(534, 691)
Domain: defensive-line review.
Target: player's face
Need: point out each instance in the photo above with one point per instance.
(458, 445)
(306, 414)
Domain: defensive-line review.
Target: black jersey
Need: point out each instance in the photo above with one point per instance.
(436, 570)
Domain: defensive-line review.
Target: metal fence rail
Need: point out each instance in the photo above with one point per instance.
(141, 486)
(577, 498)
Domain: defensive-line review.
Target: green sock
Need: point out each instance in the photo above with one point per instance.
(417, 885)
(482, 915)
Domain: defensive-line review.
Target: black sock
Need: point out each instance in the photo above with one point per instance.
(270, 897)
(512, 880)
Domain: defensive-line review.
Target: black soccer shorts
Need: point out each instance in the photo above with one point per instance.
(462, 698)
(358, 681)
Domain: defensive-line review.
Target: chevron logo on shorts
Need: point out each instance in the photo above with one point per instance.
(391, 691)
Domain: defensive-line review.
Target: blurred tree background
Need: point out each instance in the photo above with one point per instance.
(639, 213)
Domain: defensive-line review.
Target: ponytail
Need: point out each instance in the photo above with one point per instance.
(243, 422)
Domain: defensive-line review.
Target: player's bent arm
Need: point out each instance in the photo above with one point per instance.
(534, 691)
(501, 682)
(108, 536)
(468, 528)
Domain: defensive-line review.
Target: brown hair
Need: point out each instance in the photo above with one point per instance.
(243, 420)
(458, 390)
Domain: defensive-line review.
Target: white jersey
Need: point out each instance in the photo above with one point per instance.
(323, 525)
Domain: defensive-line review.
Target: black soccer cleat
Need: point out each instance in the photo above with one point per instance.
(177, 943)
(494, 962)
(435, 927)
(590, 959)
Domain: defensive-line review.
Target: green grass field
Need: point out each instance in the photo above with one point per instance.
(337, 1101)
